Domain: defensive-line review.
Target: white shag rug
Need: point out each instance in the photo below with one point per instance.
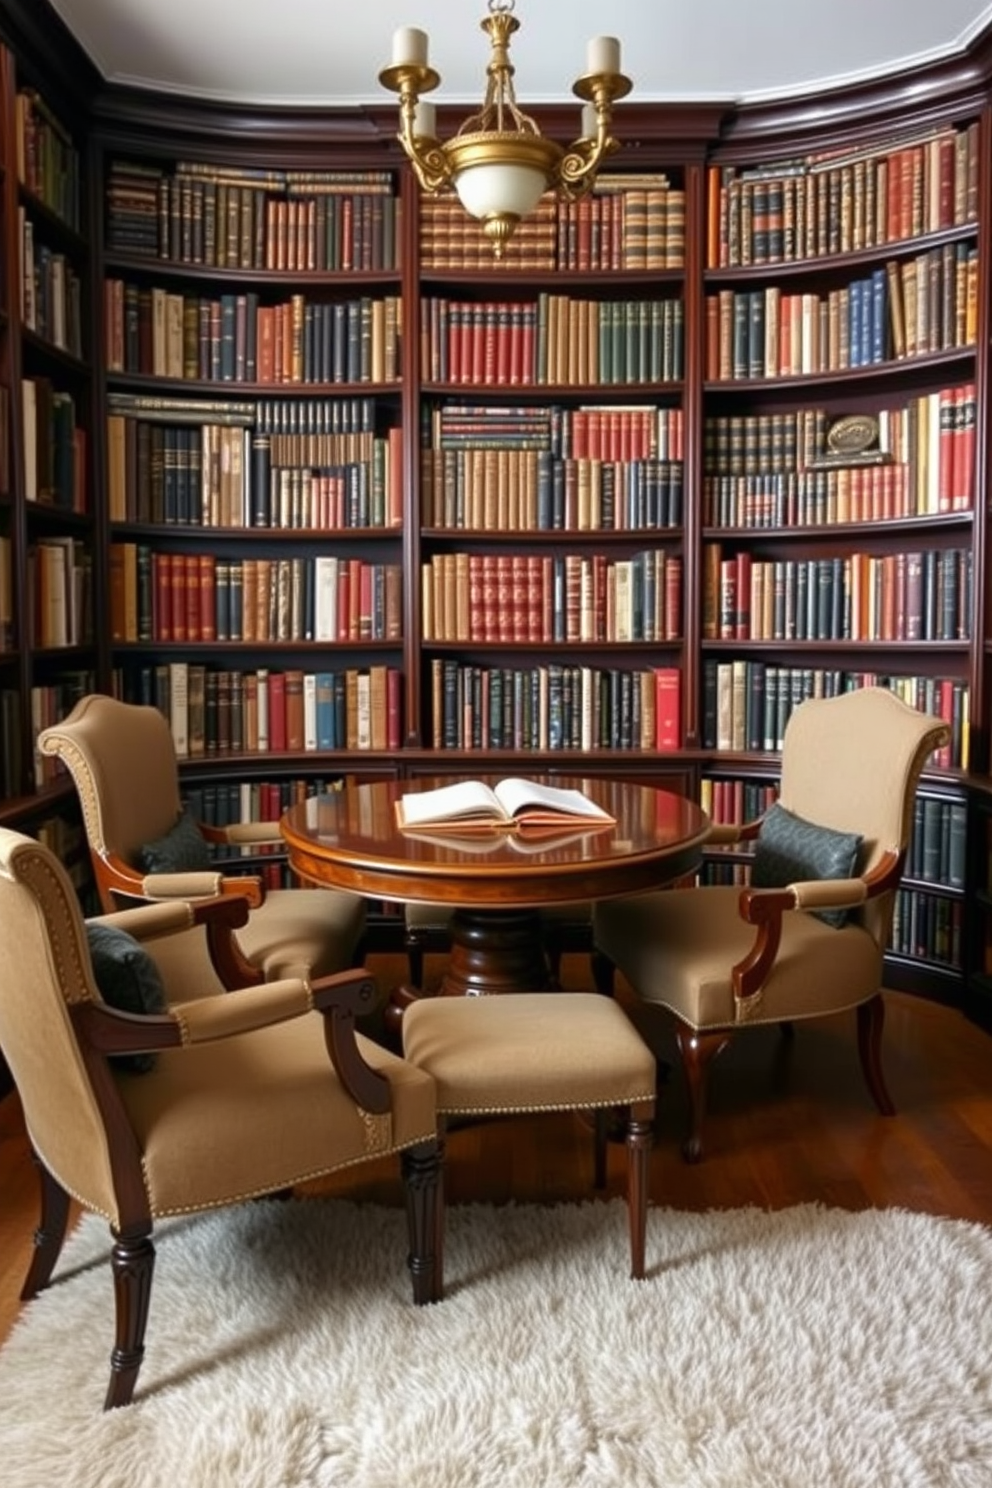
(809, 1348)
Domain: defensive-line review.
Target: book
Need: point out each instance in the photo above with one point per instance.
(511, 805)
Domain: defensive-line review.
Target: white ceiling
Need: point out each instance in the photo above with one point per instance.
(320, 52)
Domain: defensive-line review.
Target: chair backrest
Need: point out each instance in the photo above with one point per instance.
(123, 762)
(46, 971)
(853, 762)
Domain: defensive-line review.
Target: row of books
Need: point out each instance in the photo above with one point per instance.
(224, 475)
(224, 217)
(556, 341)
(627, 222)
(47, 160)
(55, 446)
(234, 337)
(928, 927)
(747, 704)
(162, 596)
(224, 803)
(843, 201)
(563, 598)
(554, 707)
(508, 490)
(634, 431)
(916, 309)
(735, 801)
(60, 593)
(924, 464)
(915, 596)
(214, 712)
(51, 292)
(937, 851)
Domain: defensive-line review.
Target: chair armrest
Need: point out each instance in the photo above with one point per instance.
(246, 834)
(148, 922)
(727, 833)
(206, 1020)
(764, 908)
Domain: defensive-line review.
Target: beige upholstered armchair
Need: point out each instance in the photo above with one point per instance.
(123, 762)
(222, 1098)
(808, 936)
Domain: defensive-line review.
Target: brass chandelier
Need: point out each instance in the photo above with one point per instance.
(499, 163)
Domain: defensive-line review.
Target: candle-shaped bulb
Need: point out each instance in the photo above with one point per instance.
(409, 47)
(603, 55)
(589, 121)
(425, 119)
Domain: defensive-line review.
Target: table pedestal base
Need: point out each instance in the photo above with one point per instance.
(492, 951)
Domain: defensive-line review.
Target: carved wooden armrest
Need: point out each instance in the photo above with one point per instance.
(764, 908)
(246, 834)
(727, 833)
(209, 1019)
(151, 921)
(220, 916)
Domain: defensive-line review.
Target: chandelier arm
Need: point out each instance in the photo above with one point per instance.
(425, 154)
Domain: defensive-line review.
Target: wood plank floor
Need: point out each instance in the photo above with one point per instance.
(790, 1122)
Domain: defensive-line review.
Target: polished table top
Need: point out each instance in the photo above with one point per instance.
(350, 840)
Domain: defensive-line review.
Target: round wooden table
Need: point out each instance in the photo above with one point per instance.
(496, 883)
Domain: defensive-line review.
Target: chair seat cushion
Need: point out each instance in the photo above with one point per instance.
(221, 1121)
(539, 1051)
(304, 932)
(677, 948)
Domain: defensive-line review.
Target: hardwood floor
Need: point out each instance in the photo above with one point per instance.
(790, 1122)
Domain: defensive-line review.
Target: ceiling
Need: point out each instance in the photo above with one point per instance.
(320, 52)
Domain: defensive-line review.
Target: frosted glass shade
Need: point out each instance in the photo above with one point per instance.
(490, 190)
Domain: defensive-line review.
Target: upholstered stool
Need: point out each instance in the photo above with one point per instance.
(540, 1051)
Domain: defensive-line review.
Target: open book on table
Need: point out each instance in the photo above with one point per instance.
(510, 806)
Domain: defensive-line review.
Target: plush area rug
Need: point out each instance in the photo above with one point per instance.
(810, 1348)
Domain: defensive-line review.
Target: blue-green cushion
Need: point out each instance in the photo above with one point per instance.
(128, 979)
(181, 850)
(792, 850)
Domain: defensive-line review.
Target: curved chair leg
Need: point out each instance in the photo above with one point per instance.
(698, 1050)
(871, 1020)
(422, 1169)
(602, 973)
(50, 1234)
(133, 1262)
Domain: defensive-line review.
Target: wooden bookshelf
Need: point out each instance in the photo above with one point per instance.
(576, 504)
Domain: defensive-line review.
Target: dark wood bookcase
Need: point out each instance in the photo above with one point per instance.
(578, 509)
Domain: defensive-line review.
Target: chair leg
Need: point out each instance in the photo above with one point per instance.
(133, 1263)
(871, 1021)
(601, 1125)
(423, 1178)
(413, 944)
(602, 973)
(640, 1137)
(50, 1234)
(698, 1050)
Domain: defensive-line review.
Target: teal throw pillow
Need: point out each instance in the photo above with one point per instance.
(792, 850)
(128, 979)
(181, 850)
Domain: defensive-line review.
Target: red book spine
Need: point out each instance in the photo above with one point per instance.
(277, 711)
(668, 708)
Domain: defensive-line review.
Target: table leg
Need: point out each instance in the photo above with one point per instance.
(494, 951)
